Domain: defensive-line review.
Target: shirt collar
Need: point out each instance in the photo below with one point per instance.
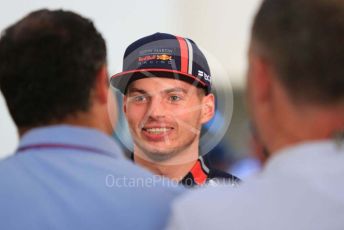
(71, 135)
(196, 176)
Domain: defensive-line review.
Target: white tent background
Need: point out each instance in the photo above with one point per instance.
(220, 27)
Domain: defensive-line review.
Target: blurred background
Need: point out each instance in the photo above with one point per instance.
(221, 28)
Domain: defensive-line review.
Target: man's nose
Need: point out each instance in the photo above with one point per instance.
(156, 108)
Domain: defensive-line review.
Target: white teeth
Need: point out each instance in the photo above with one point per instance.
(158, 130)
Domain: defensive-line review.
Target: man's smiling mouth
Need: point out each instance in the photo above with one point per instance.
(157, 130)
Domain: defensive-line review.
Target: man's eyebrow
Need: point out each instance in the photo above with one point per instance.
(176, 89)
(170, 90)
(136, 90)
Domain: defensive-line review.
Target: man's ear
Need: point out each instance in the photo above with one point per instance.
(102, 85)
(260, 80)
(125, 98)
(208, 108)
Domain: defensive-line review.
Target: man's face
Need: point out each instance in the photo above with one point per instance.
(250, 85)
(165, 115)
(263, 99)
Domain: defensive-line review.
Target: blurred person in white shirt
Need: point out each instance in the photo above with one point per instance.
(295, 88)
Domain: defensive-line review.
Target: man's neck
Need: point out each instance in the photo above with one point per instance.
(174, 172)
(87, 119)
(311, 125)
(174, 168)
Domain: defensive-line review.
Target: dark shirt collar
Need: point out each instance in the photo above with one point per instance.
(198, 175)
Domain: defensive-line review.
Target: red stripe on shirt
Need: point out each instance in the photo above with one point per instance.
(198, 174)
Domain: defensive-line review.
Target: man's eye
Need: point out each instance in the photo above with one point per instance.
(175, 98)
(140, 98)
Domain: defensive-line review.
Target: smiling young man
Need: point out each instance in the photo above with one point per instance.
(167, 98)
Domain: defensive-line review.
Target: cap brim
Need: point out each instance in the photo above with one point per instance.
(122, 80)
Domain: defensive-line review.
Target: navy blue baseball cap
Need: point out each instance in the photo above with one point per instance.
(163, 55)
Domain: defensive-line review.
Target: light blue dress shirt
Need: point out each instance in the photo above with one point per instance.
(300, 188)
(66, 177)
